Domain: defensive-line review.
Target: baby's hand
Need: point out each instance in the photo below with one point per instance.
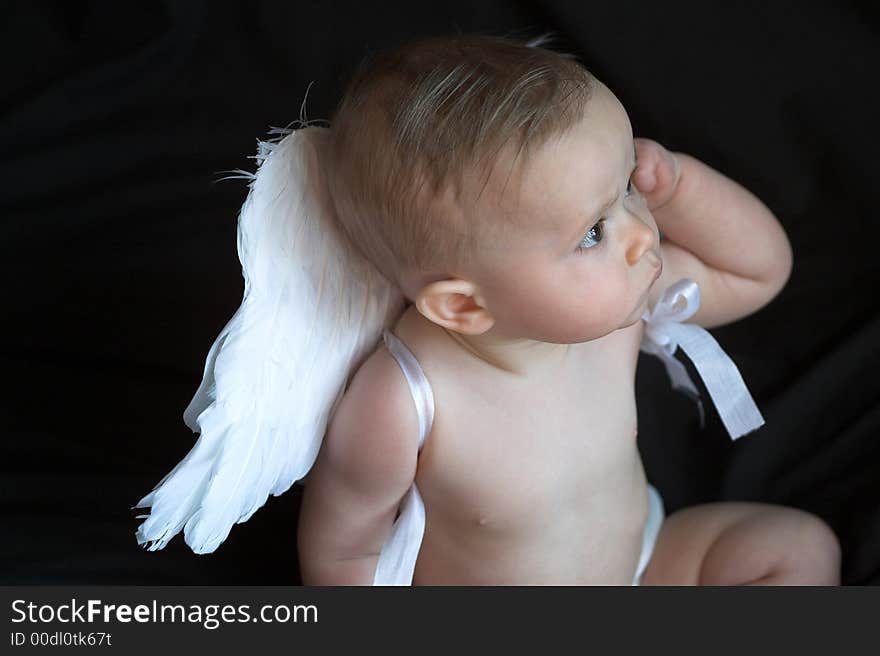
(657, 173)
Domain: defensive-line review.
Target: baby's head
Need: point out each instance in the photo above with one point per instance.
(472, 171)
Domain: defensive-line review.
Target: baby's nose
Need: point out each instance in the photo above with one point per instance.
(641, 238)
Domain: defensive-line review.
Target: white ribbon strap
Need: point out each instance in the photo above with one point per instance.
(397, 559)
(665, 332)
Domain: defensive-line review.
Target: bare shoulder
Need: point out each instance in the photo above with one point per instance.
(366, 464)
(372, 438)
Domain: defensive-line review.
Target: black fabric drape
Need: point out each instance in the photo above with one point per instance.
(118, 247)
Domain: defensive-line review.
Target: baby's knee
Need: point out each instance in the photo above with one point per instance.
(775, 546)
(817, 561)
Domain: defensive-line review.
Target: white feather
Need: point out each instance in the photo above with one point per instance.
(313, 309)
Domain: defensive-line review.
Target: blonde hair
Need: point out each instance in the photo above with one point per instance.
(421, 121)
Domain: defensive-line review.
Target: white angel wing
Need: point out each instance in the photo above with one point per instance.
(313, 309)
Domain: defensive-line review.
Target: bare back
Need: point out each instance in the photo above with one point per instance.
(529, 480)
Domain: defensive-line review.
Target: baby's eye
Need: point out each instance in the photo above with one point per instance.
(594, 236)
(629, 188)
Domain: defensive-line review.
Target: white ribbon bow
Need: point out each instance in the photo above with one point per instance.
(665, 332)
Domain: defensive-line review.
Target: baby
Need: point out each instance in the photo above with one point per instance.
(500, 187)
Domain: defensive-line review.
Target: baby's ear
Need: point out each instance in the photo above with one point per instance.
(455, 304)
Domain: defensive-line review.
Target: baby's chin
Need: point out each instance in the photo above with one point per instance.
(596, 332)
(635, 316)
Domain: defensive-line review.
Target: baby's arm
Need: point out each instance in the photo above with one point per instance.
(717, 233)
(366, 465)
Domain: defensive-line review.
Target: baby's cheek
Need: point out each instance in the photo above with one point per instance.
(580, 318)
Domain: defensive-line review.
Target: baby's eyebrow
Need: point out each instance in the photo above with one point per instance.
(591, 217)
(636, 161)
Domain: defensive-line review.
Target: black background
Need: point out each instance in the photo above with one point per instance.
(119, 261)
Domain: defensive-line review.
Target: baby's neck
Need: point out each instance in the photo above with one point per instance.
(516, 356)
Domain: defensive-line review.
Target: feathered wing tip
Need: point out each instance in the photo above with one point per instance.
(313, 309)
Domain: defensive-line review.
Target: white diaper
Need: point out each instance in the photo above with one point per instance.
(652, 530)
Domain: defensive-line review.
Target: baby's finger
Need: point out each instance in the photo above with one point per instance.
(667, 170)
(645, 147)
(645, 177)
(650, 151)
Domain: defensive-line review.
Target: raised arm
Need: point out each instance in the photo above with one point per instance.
(716, 233)
(366, 465)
